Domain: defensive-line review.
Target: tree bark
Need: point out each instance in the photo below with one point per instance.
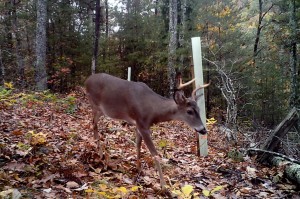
(156, 7)
(96, 38)
(230, 94)
(182, 30)
(106, 31)
(294, 100)
(291, 166)
(261, 15)
(172, 44)
(17, 44)
(91, 30)
(40, 46)
(292, 170)
(2, 70)
(258, 31)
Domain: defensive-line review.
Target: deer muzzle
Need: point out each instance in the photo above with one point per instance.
(202, 131)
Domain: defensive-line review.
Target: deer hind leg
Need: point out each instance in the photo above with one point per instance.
(146, 135)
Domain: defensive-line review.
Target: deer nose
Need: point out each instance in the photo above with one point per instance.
(202, 132)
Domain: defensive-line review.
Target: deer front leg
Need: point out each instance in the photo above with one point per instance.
(96, 117)
(138, 149)
(145, 134)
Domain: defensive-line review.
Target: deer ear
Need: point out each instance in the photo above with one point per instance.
(179, 97)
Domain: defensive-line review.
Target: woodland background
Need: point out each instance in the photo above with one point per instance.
(252, 44)
(249, 48)
(250, 55)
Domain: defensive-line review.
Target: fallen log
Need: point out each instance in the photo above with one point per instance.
(291, 165)
(292, 170)
(280, 131)
(267, 154)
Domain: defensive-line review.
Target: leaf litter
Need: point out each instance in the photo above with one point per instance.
(47, 150)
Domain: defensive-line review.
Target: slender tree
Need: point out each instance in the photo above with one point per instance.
(294, 101)
(258, 30)
(2, 70)
(106, 30)
(17, 42)
(183, 29)
(40, 45)
(260, 26)
(96, 37)
(172, 43)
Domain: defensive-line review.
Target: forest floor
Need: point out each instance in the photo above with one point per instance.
(47, 150)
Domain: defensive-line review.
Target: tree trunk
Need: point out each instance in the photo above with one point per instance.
(182, 30)
(208, 90)
(230, 94)
(258, 31)
(261, 16)
(96, 38)
(292, 170)
(2, 70)
(91, 30)
(17, 44)
(294, 99)
(106, 30)
(172, 44)
(156, 7)
(40, 46)
(280, 131)
(290, 165)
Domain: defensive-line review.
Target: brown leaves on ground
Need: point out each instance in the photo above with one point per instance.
(47, 150)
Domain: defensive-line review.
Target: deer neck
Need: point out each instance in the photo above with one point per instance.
(166, 110)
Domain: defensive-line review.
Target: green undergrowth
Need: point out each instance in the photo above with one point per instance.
(10, 97)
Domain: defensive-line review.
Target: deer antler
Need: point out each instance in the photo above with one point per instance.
(181, 85)
(196, 89)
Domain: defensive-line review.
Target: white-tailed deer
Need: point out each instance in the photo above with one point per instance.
(137, 104)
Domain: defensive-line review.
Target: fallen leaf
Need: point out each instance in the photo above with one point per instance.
(72, 185)
(217, 188)
(135, 188)
(206, 193)
(123, 190)
(127, 180)
(187, 189)
(14, 193)
(47, 190)
(83, 187)
(251, 171)
(263, 194)
(15, 166)
(245, 190)
(147, 180)
(17, 132)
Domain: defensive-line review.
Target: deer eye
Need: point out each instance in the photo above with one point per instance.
(190, 112)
